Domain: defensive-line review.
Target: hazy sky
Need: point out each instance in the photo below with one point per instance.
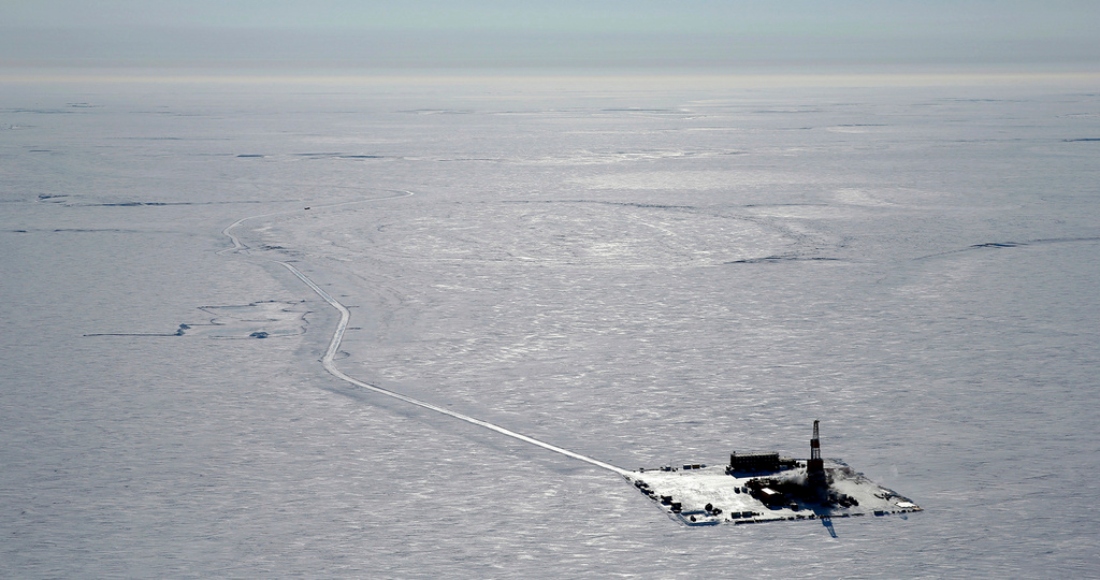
(430, 33)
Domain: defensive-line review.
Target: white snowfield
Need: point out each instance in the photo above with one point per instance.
(590, 275)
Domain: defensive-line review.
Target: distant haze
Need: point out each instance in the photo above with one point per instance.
(696, 34)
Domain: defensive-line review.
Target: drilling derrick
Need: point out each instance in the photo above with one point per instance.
(815, 467)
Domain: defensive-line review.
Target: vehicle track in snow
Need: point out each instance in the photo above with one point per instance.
(328, 360)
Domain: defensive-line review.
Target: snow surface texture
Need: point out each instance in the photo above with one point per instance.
(642, 277)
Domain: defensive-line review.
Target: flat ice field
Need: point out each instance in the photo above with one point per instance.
(638, 272)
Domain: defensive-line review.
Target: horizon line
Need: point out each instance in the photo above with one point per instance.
(850, 77)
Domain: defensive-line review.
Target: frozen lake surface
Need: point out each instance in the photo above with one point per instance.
(641, 274)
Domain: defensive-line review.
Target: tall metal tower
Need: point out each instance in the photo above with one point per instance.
(815, 467)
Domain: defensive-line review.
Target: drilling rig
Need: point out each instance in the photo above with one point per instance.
(815, 467)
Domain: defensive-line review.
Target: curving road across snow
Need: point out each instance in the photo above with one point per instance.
(334, 346)
(338, 337)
